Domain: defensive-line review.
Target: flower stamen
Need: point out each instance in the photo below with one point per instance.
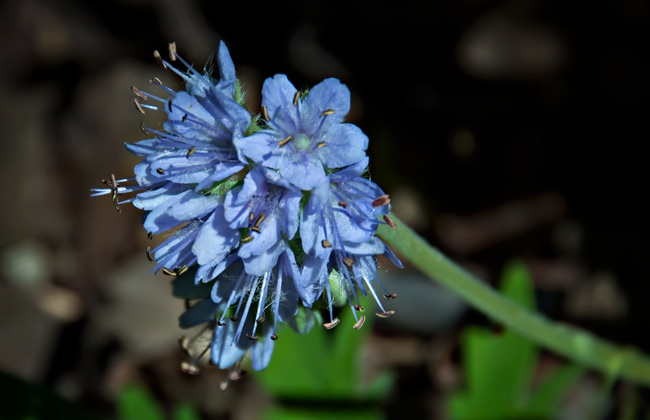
(389, 222)
(295, 98)
(159, 59)
(137, 105)
(285, 141)
(381, 201)
(172, 51)
(359, 323)
(137, 92)
(330, 325)
(148, 252)
(327, 112)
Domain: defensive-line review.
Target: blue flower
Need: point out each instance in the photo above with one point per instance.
(305, 135)
(202, 122)
(337, 230)
(243, 310)
(189, 167)
(261, 220)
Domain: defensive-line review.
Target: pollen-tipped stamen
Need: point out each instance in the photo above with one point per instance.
(381, 201)
(285, 141)
(359, 323)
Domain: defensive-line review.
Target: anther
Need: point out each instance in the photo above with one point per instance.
(148, 254)
(221, 324)
(390, 296)
(172, 51)
(265, 113)
(381, 201)
(189, 368)
(139, 93)
(155, 81)
(137, 105)
(114, 193)
(161, 171)
(295, 98)
(343, 204)
(327, 112)
(246, 239)
(348, 261)
(274, 337)
(359, 308)
(251, 217)
(189, 152)
(149, 235)
(251, 337)
(184, 343)
(169, 104)
(260, 320)
(143, 128)
(159, 59)
(321, 144)
(385, 314)
(237, 375)
(359, 323)
(256, 229)
(260, 219)
(234, 318)
(326, 243)
(181, 270)
(389, 222)
(330, 325)
(285, 141)
(168, 272)
(184, 118)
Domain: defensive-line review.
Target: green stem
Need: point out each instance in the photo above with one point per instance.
(578, 345)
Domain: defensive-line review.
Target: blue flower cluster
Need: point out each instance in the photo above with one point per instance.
(267, 213)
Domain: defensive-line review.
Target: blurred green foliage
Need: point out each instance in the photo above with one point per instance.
(500, 368)
(135, 403)
(322, 365)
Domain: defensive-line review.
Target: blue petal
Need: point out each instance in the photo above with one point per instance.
(183, 207)
(149, 200)
(345, 145)
(330, 94)
(226, 66)
(262, 350)
(314, 273)
(258, 265)
(277, 92)
(305, 174)
(215, 239)
(223, 351)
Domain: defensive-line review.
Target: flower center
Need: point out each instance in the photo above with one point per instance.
(302, 141)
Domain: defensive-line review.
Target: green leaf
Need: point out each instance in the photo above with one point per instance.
(549, 394)
(185, 411)
(322, 364)
(499, 368)
(134, 403)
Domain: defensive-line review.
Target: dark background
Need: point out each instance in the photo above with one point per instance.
(502, 129)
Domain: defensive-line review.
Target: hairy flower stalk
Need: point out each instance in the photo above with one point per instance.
(267, 214)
